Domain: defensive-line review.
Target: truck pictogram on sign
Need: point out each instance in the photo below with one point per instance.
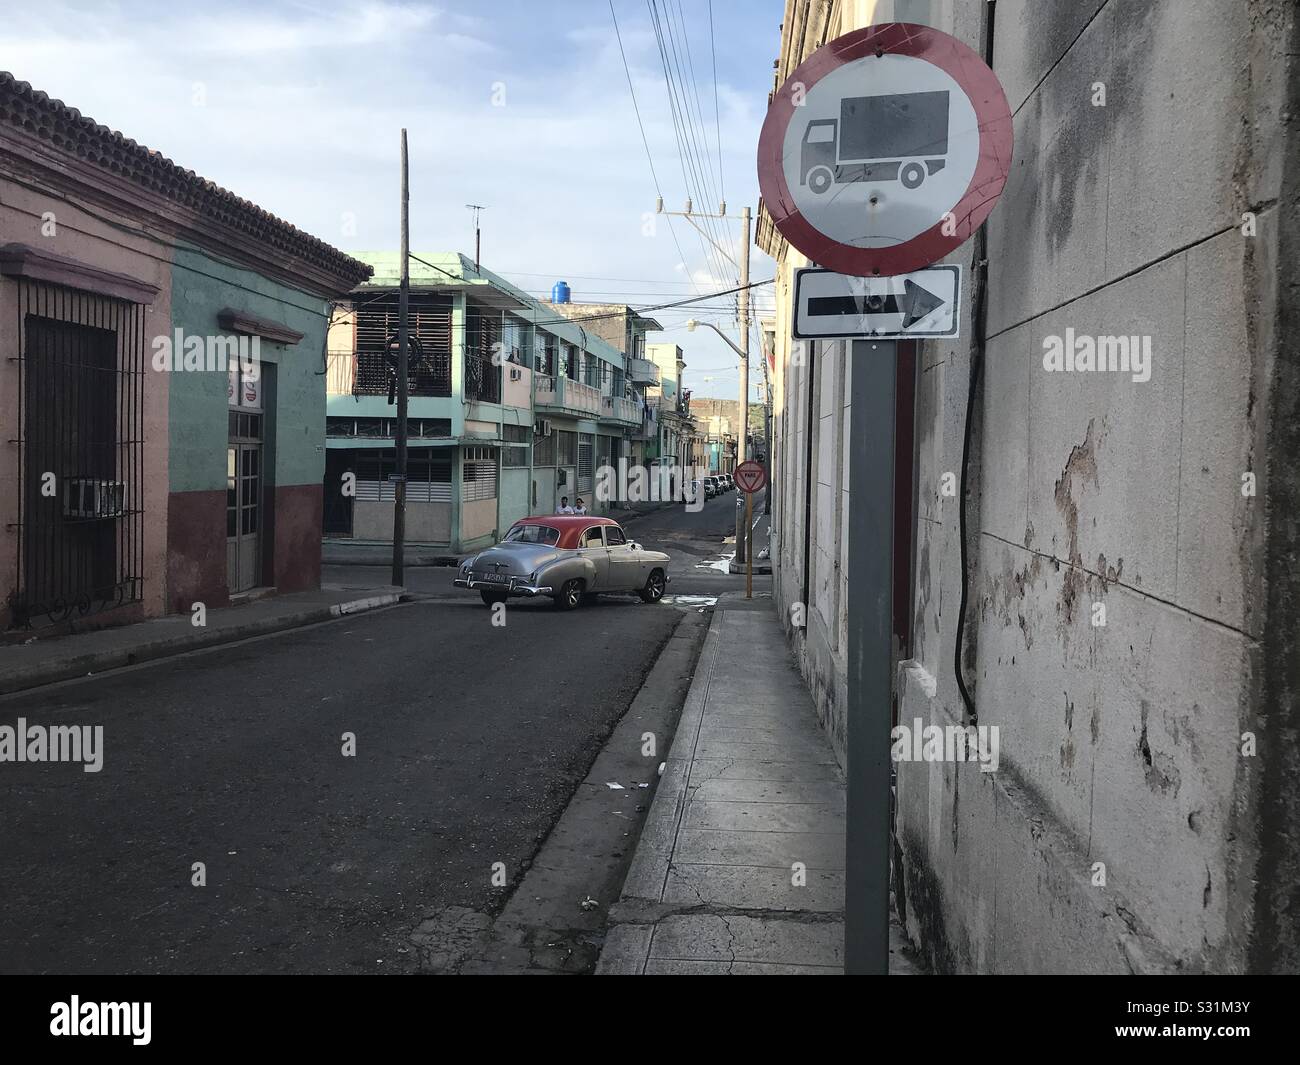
(899, 137)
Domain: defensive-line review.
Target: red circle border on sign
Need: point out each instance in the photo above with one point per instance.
(992, 113)
(747, 466)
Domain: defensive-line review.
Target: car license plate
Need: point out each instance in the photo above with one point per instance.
(494, 578)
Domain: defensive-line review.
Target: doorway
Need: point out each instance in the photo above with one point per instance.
(244, 503)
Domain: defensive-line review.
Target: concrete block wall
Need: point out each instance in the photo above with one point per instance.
(1124, 830)
(1120, 744)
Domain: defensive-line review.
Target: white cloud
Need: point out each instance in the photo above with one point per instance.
(303, 103)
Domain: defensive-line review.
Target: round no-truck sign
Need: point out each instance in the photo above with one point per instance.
(885, 150)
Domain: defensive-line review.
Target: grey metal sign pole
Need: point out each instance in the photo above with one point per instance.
(870, 679)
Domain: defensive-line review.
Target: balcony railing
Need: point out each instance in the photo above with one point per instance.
(618, 409)
(568, 395)
(482, 379)
(648, 429)
(367, 373)
(643, 371)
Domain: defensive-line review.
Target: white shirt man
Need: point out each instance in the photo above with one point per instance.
(564, 506)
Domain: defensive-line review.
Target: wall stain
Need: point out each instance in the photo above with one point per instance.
(1161, 774)
(1005, 591)
(1080, 468)
(1067, 748)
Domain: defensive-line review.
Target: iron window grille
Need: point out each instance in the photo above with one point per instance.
(479, 474)
(428, 477)
(482, 336)
(428, 321)
(386, 428)
(586, 463)
(80, 469)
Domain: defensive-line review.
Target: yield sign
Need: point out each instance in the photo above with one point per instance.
(750, 476)
(924, 303)
(885, 150)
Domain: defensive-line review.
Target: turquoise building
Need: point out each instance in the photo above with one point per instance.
(513, 407)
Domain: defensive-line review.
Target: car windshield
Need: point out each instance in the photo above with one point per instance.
(532, 534)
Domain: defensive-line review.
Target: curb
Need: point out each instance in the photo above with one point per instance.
(165, 647)
(764, 567)
(648, 873)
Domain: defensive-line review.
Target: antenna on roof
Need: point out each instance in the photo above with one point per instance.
(475, 207)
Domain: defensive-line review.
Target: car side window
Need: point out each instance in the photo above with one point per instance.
(591, 537)
(614, 536)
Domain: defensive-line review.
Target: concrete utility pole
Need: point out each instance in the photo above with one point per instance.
(742, 531)
(742, 441)
(403, 308)
(767, 425)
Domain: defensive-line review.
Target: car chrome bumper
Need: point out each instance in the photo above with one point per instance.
(509, 589)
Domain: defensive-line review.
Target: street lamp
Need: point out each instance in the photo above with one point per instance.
(690, 328)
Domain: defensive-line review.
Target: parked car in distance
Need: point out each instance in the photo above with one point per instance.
(729, 481)
(712, 486)
(692, 490)
(566, 558)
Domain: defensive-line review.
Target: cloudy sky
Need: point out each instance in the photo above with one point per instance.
(522, 106)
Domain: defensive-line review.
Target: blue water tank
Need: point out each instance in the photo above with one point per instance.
(560, 292)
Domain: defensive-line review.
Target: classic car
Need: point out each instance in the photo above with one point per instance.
(566, 558)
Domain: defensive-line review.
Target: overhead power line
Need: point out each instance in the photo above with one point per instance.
(560, 319)
(683, 130)
(717, 122)
(640, 125)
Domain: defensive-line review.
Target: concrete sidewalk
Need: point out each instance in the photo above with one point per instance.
(740, 866)
(55, 658)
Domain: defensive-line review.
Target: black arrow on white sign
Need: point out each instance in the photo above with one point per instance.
(914, 304)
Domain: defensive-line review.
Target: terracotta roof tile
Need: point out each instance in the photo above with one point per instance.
(68, 130)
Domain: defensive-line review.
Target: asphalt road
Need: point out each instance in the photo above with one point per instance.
(470, 741)
(699, 543)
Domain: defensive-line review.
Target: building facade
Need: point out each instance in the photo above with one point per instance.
(142, 475)
(1130, 539)
(513, 407)
(719, 424)
(677, 442)
(624, 329)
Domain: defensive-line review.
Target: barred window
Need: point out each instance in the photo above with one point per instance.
(544, 353)
(428, 477)
(568, 448)
(479, 473)
(544, 450)
(386, 428)
(586, 472)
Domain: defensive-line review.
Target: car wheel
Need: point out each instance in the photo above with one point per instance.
(492, 598)
(570, 595)
(654, 587)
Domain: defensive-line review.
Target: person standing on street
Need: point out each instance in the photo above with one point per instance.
(564, 506)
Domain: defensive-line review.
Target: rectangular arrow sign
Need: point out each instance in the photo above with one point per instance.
(926, 303)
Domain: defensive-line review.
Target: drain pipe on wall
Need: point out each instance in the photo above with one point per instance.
(979, 318)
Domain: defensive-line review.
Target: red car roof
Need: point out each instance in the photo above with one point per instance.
(566, 521)
(569, 526)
